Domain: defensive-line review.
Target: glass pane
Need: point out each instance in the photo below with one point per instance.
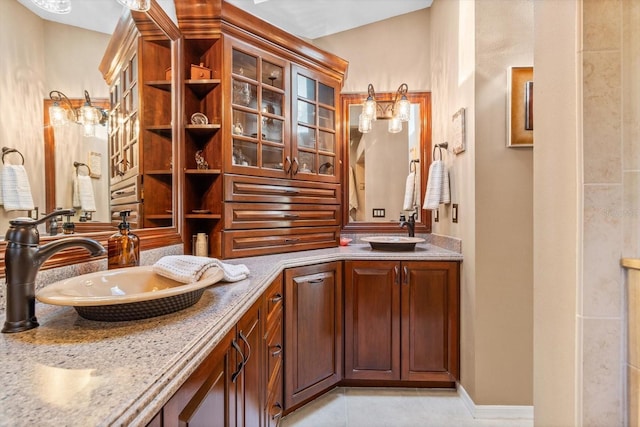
(245, 153)
(272, 75)
(326, 118)
(306, 137)
(326, 94)
(307, 163)
(272, 157)
(306, 113)
(245, 94)
(272, 102)
(245, 124)
(244, 65)
(272, 130)
(326, 142)
(306, 88)
(326, 165)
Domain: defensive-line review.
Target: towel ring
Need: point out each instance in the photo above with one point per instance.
(413, 165)
(440, 146)
(7, 150)
(78, 165)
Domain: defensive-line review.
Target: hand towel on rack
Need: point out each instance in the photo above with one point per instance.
(85, 193)
(75, 202)
(16, 191)
(353, 190)
(437, 186)
(410, 196)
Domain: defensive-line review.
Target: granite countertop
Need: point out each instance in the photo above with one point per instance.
(76, 372)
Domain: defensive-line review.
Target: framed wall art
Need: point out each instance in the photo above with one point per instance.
(520, 107)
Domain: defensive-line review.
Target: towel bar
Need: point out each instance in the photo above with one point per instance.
(7, 150)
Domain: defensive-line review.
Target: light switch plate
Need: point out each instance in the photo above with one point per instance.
(436, 215)
(454, 212)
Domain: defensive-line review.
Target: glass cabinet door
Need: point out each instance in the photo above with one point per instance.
(258, 113)
(314, 149)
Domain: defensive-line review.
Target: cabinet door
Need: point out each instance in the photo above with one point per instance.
(248, 383)
(372, 320)
(313, 331)
(430, 325)
(315, 118)
(203, 400)
(259, 119)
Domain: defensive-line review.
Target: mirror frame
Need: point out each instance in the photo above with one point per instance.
(362, 227)
(150, 238)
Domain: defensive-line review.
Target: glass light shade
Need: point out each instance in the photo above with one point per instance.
(89, 129)
(395, 125)
(364, 123)
(58, 116)
(54, 6)
(369, 108)
(88, 115)
(139, 5)
(404, 109)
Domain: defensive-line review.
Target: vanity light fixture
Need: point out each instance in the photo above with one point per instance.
(62, 112)
(396, 111)
(64, 6)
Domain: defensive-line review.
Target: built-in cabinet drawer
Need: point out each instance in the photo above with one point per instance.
(239, 188)
(241, 243)
(240, 216)
(273, 353)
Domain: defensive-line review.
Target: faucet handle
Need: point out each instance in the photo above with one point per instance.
(29, 222)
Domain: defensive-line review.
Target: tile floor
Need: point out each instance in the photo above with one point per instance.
(390, 407)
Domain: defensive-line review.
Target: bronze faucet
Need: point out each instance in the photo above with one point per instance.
(410, 223)
(23, 258)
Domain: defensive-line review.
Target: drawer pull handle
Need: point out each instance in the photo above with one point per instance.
(289, 191)
(234, 376)
(291, 240)
(397, 274)
(277, 351)
(276, 298)
(406, 275)
(315, 281)
(291, 216)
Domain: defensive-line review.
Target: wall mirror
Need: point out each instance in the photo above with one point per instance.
(54, 154)
(377, 165)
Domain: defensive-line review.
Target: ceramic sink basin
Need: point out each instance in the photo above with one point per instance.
(393, 243)
(125, 294)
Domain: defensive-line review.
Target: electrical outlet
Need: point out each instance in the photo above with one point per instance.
(378, 213)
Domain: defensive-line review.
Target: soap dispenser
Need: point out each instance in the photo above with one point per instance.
(123, 246)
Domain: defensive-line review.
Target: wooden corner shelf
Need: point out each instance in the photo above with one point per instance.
(160, 84)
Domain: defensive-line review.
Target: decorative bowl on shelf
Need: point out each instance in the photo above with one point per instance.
(199, 119)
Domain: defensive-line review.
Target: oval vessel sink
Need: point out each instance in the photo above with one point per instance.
(125, 294)
(393, 243)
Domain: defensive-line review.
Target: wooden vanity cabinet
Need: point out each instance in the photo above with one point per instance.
(402, 321)
(273, 343)
(226, 389)
(313, 331)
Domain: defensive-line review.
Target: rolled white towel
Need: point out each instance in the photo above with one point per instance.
(189, 268)
(16, 191)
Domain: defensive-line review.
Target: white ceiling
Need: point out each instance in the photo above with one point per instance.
(308, 19)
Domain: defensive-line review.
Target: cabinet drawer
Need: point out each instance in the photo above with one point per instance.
(125, 191)
(274, 405)
(239, 216)
(274, 297)
(239, 188)
(275, 347)
(240, 243)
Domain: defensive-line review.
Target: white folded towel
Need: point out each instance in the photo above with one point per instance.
(85, 193)
(16, 191)
(75, 202)
(437, 186)
(189, 268)
(410, 197)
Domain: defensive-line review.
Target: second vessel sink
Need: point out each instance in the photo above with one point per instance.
(393, 243)
(125, 294)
